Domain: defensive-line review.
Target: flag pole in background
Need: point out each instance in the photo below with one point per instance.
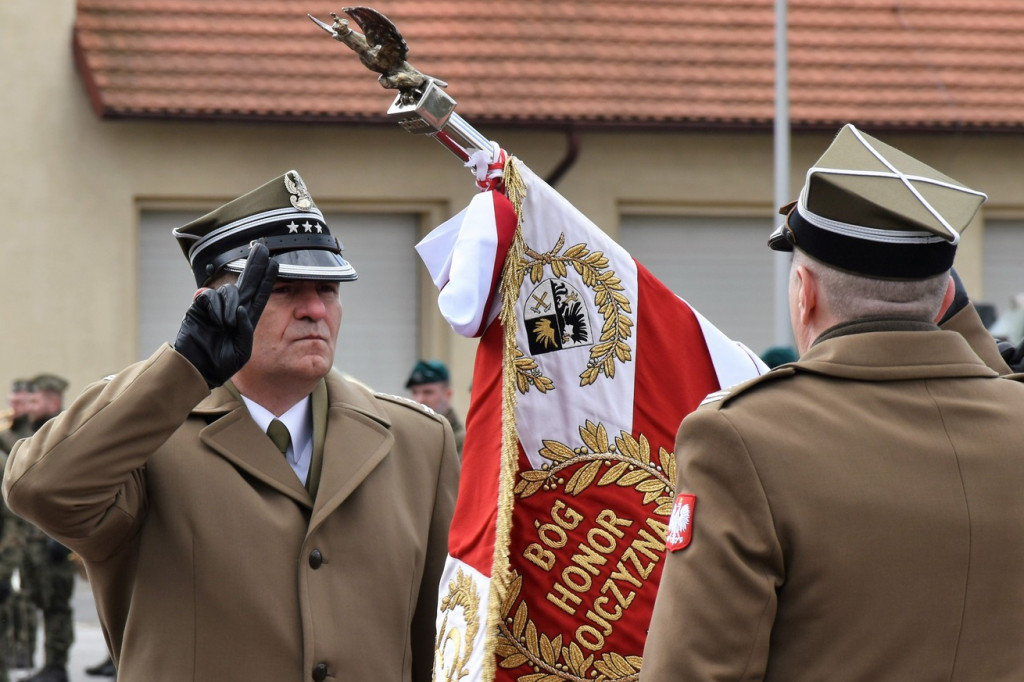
(782, 333)
(585, 367)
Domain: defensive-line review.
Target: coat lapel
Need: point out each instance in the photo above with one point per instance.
(234, 435)
(358, 440)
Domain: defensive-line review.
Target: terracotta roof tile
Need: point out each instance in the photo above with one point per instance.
(912, 63)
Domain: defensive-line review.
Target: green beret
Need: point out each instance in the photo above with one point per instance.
(427, 372)
(779, 355)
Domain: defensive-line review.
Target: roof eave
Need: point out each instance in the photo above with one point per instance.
(544, 124)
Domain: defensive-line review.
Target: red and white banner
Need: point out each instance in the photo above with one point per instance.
(585, 368)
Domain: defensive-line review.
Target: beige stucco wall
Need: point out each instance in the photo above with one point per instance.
(73, 185)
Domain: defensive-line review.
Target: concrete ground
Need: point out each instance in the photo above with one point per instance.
(89, 647)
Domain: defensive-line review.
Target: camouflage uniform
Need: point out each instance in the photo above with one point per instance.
(47, 572)
(48, 579)
(17, 617)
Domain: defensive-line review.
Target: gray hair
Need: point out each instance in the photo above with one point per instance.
(223, 277)
(852, 297)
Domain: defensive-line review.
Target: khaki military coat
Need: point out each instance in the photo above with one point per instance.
(859, 516)
(968, 324)
(208, 558)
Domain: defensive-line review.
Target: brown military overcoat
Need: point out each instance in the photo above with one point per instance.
(858, 516)
(211, 562)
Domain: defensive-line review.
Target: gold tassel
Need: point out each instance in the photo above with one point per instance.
(510, 284)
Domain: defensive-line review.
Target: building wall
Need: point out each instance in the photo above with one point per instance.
(73, 187)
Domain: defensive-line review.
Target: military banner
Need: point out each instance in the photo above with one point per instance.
(585, 368)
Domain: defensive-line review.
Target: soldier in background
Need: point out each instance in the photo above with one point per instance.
(47, 572)
(430, 385)
(17, 619)
(18, 423)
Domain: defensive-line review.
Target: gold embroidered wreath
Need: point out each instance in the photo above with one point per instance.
(629, 464)
(592, 267)
(628, 461)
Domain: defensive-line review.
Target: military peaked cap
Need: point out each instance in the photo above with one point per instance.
(870, 209)
(283, 215)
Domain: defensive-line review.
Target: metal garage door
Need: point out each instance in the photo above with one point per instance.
(379, 330)
(1003, 270)
(720, 265)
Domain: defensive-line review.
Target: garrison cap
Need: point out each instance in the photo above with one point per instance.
(21, 386)
(48, 382)
(283, 215)
(869, 209)
(427, 372)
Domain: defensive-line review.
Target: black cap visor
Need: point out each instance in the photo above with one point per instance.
(877, 259)
(311, 264)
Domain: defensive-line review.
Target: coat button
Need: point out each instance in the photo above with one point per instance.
(319, 672)
(316, 559)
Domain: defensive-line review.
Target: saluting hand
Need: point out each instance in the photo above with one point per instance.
(216, 333)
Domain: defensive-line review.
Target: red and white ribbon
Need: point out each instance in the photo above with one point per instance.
(488, 167)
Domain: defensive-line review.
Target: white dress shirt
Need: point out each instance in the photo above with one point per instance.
(299, 420)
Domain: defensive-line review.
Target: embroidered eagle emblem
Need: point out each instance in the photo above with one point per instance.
(680, 523)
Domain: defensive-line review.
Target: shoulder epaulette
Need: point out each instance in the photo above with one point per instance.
(721, 397)
(407, 402)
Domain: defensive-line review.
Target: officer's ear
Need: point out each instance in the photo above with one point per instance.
(806, 294)
(947, 298)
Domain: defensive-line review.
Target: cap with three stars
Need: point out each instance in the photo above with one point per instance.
(427, 372)
(872, 210)
(283, 215)
(48, 382)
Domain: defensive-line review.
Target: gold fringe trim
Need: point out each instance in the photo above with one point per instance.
(510, 284)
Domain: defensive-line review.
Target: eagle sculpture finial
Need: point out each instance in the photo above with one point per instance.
(381, 48)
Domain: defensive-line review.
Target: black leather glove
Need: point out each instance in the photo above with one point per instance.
(56, 552)
(216, 333)
(960, 299)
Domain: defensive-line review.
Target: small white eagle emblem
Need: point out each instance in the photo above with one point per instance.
(680, 523)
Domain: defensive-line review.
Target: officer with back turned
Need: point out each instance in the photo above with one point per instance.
(856, 514)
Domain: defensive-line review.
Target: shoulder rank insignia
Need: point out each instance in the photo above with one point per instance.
(406, 401)
(727, 394)
(715, 397)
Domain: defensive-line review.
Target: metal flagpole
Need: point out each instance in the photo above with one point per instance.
(783, 334)
(421, 106)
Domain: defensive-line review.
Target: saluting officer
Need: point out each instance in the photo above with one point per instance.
(857, 514)
(244, 512)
